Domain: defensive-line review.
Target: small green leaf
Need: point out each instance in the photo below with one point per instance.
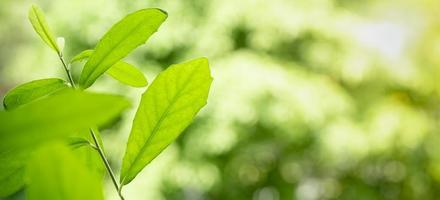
(54, 172)
(121, 71)
(129, 33)
(166, 109)
(57, 116)
(127, 74)
(32, 91)
(82, 56)
(38, 21)
(77, 142)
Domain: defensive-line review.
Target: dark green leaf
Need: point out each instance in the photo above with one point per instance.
(166, 109)
(129, 33)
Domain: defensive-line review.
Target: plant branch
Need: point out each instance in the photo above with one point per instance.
(106, 163)
(96, 146)
(66, 68)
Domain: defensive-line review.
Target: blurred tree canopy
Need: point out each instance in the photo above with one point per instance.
(311, 99)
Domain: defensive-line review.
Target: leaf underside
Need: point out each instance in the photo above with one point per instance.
(166, 109)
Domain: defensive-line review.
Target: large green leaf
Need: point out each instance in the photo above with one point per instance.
(38, 21)
(12, 171)
(166, 109)
(121, 71)
(54, 173)
(56, 116)
(67, 113)
(127, 74)
(129, 33)
(32, 91)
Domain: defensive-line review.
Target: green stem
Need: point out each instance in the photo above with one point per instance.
(96, 146)
(106, 163)
(66, 68)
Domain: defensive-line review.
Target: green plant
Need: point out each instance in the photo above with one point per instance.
(49, 138)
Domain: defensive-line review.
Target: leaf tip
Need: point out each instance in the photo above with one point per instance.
(163, 12)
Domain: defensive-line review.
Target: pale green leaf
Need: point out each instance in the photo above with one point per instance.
(32, 91)
(57, 116)
(38, 21)
(55, 173)
(129, 33)
(166, 109)
(127, 74)
(121, 71)
(82, 56)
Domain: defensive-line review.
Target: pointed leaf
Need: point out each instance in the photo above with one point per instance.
(38, 21)
(129, 33)
(82, 56)
(54, 172)
(127, 74)
(32, 91)
(56, 116)
(166, 109)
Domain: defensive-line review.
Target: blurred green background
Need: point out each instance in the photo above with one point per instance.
(311, 99)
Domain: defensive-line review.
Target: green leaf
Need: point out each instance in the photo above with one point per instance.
(32, 91)
(82, 56)
(121, 71)
(38, 21)
(56, 116)
(77, 142)
(127, 74)
(129, 33)
(62, 115)
(54, 172)
(166, 109)
(11, 171)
